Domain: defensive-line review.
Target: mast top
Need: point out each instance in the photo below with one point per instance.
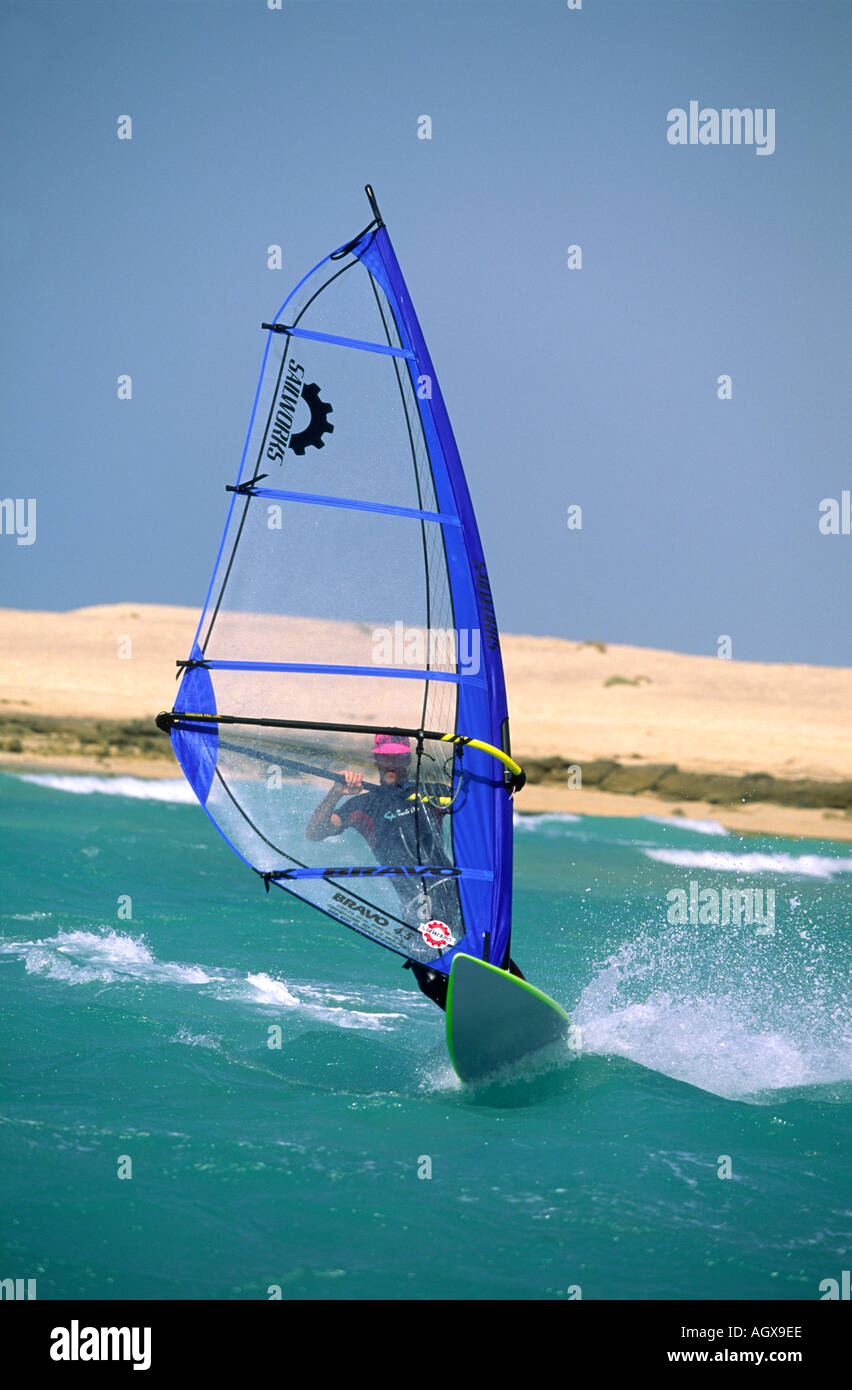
(373, 204)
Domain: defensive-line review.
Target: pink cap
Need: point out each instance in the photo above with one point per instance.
(391, 743)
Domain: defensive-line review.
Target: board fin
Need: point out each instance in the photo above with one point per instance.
(495, 1019)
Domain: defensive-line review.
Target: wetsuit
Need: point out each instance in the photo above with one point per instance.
(399, 828)
(385, 816)
(402, 824)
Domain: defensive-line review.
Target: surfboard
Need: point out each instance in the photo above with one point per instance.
(495, 1020)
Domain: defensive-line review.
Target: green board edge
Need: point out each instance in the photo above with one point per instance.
(486, 965)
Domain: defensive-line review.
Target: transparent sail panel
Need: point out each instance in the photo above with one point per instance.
(282, 800)
(345, 617)
(362, 577)
(336, 419)
(380, 702)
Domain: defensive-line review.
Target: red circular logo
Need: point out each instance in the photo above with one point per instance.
(437, 934)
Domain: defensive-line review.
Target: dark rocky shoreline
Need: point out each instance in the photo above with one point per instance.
(46, 736)
(669, 781)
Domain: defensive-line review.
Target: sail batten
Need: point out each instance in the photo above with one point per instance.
(351, 503)
(317, 668)
(334, 627)
(357, 343)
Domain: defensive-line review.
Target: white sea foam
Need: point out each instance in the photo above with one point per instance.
(722, 1011)
(543, 820)
(113, 957)
(270, 991)
(701, 827)
(437, 1075)
(81, 956)
(208, 1040)
(705, 1042)
(320, 1003)
(806, 865)
(141, 788)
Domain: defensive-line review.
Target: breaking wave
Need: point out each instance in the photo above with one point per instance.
(140, 788)
(113, 957)
(807, 865)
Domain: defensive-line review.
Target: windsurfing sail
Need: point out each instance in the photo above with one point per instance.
(350, 600)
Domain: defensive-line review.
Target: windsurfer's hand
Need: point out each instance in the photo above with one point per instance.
(353, 781)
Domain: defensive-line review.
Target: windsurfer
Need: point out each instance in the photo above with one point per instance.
(401, 820)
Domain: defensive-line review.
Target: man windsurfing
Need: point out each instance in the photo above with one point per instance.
(401, 820)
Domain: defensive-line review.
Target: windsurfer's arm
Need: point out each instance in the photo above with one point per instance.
(324, 821)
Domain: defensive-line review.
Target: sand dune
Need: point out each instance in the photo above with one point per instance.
(572, 699)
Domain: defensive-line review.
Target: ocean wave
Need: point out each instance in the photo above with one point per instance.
(141, 788)
(807, 865)
(113, 957)
(316, 1001)
(269, 991)
(78, 957)
(537, 820)
(722, 1012)
(701, 827)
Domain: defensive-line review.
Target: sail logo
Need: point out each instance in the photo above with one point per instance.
(486, 604)
(373, 871)
(437, 934)
(435, 648)
(392, 870)
(361, 908)
(295, 389)
(730, 126)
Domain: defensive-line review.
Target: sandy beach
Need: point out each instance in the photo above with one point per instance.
(758, 747)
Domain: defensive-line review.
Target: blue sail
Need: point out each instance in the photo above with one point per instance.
(350, 611)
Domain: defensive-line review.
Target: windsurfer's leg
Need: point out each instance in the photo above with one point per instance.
(432, 982)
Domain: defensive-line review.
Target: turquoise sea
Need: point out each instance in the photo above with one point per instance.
(697, 1148)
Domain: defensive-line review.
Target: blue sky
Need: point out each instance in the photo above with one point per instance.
(594, 387)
